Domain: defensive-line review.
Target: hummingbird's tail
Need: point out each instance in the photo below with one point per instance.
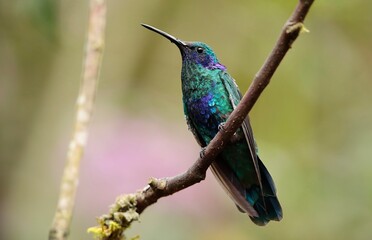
(268, 207)
(262, 206)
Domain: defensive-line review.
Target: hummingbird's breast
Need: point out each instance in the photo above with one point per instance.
(208, 105)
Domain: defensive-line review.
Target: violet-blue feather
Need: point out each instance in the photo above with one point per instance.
(209, 63)
(203, 112)
(217, 66)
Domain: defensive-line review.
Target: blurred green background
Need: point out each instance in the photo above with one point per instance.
(312, 124)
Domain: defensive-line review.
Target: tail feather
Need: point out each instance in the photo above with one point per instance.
(260, 209)
(269, 207)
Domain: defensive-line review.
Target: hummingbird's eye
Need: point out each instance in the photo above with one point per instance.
(200, 50)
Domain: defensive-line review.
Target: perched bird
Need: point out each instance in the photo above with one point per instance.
(210, 94)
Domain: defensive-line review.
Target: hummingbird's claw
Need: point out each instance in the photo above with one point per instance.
(202, 152)
(234, 138)
(221, 126)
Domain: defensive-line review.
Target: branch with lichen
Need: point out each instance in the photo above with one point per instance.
(84, 108)
(128, 207)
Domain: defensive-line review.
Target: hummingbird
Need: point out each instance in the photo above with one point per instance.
(210, 94)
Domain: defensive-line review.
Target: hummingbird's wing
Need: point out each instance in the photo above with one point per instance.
(267, 206)
(232, 187)
(235, 96)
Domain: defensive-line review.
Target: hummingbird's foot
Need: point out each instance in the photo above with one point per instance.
(235, 137)
(202, 152)
(221, 126)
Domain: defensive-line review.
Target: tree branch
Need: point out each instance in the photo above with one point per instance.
(113, 225)
(84, 108)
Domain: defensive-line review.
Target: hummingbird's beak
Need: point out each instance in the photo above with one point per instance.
(174, 40)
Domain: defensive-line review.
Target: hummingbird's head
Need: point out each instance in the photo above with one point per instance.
(192, 52)
(201, 54)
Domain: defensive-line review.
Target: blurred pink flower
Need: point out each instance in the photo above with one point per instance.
(123, 153)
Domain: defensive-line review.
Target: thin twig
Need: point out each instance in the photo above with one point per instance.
(113, 224)
(84, 108)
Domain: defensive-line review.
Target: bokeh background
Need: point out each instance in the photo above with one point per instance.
(312, 124)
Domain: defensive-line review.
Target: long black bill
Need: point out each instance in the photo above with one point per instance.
(174, 40)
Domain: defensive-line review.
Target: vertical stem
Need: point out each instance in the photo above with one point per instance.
(84, 108)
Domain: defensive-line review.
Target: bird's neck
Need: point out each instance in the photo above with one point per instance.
(198, 81)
